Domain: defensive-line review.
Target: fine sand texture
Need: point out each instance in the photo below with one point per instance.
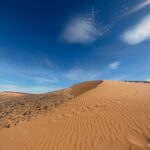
(99, 116)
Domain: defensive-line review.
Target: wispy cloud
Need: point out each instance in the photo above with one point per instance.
(83, 29)
(139, 33)
(42, 80)
(114, 65)
(49, 63)
(78, 74)
(138, 7)
(120, 77)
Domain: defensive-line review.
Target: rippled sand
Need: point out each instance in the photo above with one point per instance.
(106, 116)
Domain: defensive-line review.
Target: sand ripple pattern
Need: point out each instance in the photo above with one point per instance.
(112, 116)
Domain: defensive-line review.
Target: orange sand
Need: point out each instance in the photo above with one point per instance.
(15, 94)
(5, 96)
(110, 116)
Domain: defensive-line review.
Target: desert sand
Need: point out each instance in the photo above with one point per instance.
(95, 115)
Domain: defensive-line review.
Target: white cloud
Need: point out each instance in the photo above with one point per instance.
(83, 29)
(148, 79)
(139, 33)
(114, 65)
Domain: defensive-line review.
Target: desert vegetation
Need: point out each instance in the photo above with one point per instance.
(136, 81)
(14, 109)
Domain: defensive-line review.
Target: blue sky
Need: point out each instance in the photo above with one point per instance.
(48, 45)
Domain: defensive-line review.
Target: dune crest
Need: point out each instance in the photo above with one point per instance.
(82, 87)
(110, 116)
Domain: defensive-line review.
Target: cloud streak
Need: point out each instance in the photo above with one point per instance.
(138, 33)
(114, 65)
(138, 7)
(42, 80)
(79, 74)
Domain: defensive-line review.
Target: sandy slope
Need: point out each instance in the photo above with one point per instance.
(4, 96)
(15, 94)
(18, 108)
(110, 116)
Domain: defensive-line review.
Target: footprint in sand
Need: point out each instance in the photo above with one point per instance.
(73, 111)
(64, 115)
(85, 109)
(53, 120)
(94, 108)
(59, 116)
(67, 115)
(97, 105)
(88, 108)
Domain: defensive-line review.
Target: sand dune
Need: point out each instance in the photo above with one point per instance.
(102, 116)
(9, 93)
(4, 96)
(83, 87)
(17, 107)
